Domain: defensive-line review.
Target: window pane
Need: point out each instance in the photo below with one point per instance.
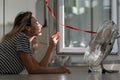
(85, 15)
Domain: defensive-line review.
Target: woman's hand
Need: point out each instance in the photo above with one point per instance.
(54, 39)
(63, 70)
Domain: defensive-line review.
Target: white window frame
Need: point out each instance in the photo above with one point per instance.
(61, 48)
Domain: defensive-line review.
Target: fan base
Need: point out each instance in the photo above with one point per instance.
(105, 71)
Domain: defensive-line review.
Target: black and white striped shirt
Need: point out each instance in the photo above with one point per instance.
(10, 63)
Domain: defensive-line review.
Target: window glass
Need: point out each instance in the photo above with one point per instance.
(84, 15)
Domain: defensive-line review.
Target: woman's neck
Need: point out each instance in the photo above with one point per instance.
(29, 36)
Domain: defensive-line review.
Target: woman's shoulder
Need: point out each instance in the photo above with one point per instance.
(21, 34)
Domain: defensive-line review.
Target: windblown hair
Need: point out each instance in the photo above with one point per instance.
(22, 20)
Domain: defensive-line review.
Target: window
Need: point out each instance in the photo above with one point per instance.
(85, 15)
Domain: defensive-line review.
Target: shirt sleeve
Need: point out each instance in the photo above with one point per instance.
(23, 45)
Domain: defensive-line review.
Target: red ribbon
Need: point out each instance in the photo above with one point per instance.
(51, 12)
(90, 32)
(70, 27)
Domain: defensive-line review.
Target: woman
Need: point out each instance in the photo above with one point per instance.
(15, 49)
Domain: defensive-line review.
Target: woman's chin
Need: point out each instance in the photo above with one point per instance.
(39, 34)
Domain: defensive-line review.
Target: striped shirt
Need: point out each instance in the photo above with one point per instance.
(10, 63)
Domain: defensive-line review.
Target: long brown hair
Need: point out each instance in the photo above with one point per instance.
(22, 20)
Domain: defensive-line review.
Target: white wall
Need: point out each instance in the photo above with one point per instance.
(12, 7)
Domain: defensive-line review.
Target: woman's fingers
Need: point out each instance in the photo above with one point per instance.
(56, 34)
(66, 70)
(55, 38)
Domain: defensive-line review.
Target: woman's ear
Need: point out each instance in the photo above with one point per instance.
(28, 28)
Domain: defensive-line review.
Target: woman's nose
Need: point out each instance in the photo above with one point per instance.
(40, 26)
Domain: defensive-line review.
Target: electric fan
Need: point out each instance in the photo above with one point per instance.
(101, 44)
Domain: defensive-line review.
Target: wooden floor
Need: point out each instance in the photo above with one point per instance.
(77, 73)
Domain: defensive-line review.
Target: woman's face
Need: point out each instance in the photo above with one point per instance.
(35, 28)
